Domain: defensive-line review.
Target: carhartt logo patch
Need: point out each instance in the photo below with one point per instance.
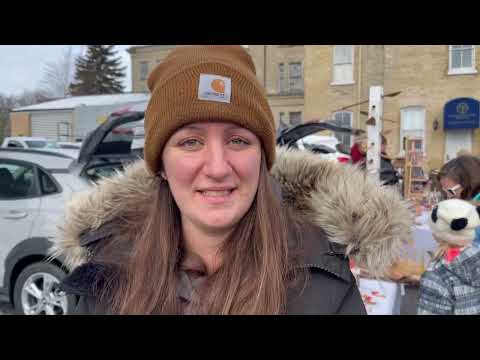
(215, 88)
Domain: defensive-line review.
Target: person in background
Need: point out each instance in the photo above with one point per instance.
(358, 152)
(383, 149)
(460, 178)
(451, 283)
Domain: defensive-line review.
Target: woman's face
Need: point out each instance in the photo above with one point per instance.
(451, 188)
(213, 172)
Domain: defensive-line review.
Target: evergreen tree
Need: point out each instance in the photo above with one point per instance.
(98, 72)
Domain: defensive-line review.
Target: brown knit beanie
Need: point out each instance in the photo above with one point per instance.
(205, 83)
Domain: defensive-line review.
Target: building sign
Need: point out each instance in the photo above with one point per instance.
(461, 113)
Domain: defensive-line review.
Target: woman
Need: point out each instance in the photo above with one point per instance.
(358, 152)
(460, 178)
(443, 287)
(213, 222)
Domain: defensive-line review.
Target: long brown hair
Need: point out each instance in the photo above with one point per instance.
(253, 279)
(464, 170)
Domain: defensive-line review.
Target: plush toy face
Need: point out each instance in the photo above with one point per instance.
(454, 221)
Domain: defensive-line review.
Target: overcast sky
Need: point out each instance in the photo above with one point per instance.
(21, 66)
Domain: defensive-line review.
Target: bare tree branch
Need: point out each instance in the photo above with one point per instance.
(57, 76)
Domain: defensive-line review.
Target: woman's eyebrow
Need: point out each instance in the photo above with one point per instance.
(194, 127)
(191, 127)
(233, 128)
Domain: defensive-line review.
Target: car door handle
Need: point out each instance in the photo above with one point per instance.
(14, 214)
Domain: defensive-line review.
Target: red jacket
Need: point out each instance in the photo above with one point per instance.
(356, 154)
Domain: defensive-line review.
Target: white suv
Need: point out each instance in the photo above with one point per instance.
(34, 187)
(21, 142)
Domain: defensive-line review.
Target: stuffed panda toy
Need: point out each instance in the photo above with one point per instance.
(455, 223)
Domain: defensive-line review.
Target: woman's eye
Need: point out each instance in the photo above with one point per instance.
(190, 143)
(239, 142)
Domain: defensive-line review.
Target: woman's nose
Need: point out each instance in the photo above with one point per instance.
(216, 163)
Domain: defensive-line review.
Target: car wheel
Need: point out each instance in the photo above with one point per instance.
(37, 291)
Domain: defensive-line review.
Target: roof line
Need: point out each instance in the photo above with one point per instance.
(33, 110)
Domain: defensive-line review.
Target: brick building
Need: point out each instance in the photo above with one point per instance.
(428, 76)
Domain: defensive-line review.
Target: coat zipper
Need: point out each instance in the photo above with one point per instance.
(316, 266)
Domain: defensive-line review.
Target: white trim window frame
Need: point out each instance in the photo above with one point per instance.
(344, 119)
(461, 59)
(342, 64)
(413, 123)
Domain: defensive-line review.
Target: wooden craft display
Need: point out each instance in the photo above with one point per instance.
(414, 176)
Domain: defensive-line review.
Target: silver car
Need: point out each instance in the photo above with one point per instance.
(34, 188)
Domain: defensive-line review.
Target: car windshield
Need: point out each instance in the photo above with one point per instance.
(36, 144)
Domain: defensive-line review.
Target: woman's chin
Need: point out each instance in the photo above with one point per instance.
(218, 225)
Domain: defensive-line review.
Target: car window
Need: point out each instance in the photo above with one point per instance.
(46, 184)
(16, 181)
(14, 144)
(36, 144)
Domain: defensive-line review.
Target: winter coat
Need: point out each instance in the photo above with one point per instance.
(345, 214)
(451, 287)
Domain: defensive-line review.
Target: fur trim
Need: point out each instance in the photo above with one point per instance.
(353, 209)
(115, 199)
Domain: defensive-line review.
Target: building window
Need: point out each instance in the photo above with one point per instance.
(282, 120)
(143, 70)
(462, 59)
(290, 79)
(295, 76)
(412, 124)
(342, 64)
(343, 119)
(295, 118)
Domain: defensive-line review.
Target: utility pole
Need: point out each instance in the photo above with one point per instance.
(374, 129)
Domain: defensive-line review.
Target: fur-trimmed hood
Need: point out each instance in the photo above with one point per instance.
(353, 209)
